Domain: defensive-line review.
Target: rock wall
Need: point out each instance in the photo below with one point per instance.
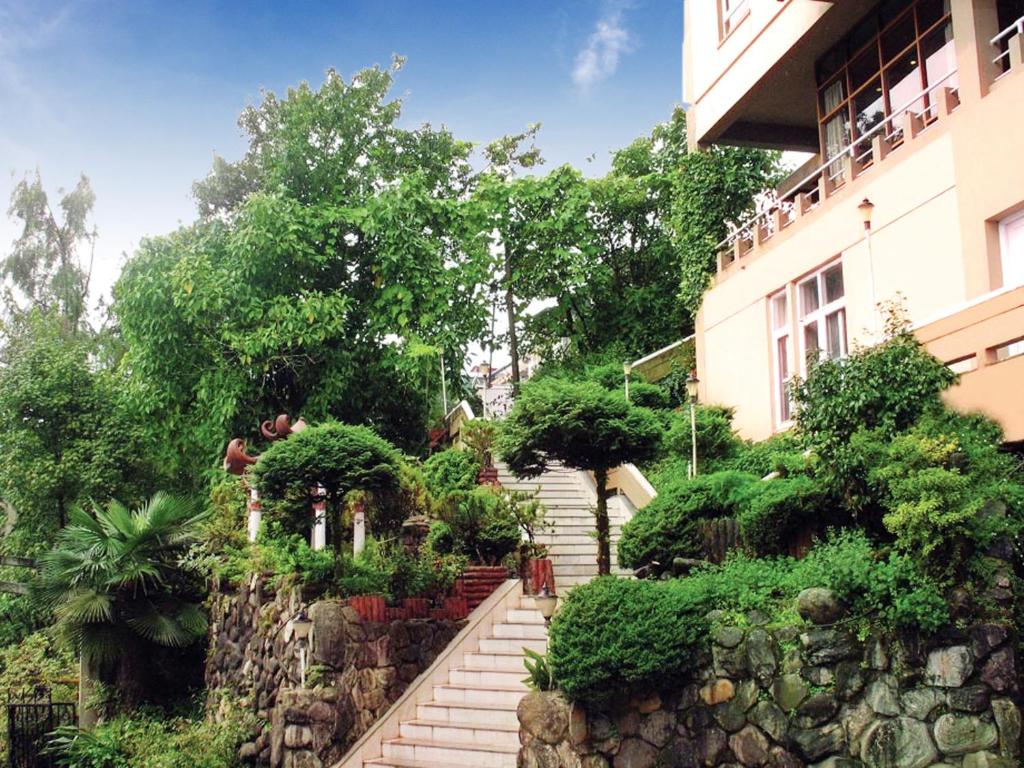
(789, 697)
(355, 670)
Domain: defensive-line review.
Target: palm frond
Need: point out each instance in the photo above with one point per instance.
(160, 628)
(85, 606)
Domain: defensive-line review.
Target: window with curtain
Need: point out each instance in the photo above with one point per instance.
(881, 69)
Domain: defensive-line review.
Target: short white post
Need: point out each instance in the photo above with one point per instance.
(255, 513)
(318, 539)
(359, 529)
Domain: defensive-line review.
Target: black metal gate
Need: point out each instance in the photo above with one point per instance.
(28, 724)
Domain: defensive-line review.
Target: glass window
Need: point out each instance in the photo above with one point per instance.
(733, 12)
(869, 107)
(940, 55)
(1011, 242)
(808, 296)
(835, 334)
(929, 12)
(863, 68)
(898, 36)
(834, 284)
(779, 314)
(903, 82)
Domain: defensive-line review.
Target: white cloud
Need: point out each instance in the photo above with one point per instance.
(605, 46)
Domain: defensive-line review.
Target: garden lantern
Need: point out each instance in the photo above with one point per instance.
(301, 629)
(692, 383)
(546, 602)
(866, 208)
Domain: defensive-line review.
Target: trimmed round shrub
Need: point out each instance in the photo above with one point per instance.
(449, 471)
(648, 395)
(482, 525)
(774, 512)
(668, 527)
(614, 636)
(716, 440)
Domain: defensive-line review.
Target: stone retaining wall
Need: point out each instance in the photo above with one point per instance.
(791, 697)
(355, 671)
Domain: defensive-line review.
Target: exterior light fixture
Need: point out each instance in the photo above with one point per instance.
(302, 628)
(627, 368)
(692, 383)
(866, 207)
(546, 602)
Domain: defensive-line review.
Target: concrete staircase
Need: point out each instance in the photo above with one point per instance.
(471, 720)
(570, 499)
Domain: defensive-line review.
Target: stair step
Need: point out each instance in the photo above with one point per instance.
(452, 753)
(398, 762)
(482, 714)
(484, 678)
(457, 733)
(511, 644)
(524, 616)
(467, 694)
(502, 662)
(530, 631)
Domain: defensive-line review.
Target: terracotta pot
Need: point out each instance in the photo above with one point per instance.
(456, 607)
(369, 607)
(538, 570)
(397, 614)
(439, 614)
(416, 607)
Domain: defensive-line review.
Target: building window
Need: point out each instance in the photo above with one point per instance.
(1011, 249)
(875, 74)
(822, 312)
(731, 13)
(782, 368)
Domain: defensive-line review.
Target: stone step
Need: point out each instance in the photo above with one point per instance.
(451, 753)
(467, 694)
(524, 616)
(511, 645)
(505, 662)
(520, 631)
(485, 715)
(459, 733)
(485, 678)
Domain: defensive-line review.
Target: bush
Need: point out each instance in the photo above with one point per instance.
(716, 442)
(648, 395)
(774, 512)
(615, 636)
(668, 527)
(386, 509)
(483, 524)
(780, 453)
(449, 471)
(289, 554)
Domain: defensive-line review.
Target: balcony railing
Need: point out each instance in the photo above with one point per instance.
(1002, 42)
(846, 165)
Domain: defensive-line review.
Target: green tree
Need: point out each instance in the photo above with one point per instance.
(336, 251)
(66, 432)
(339, 457)
(584, 426)
(51, 260)
(114, 584)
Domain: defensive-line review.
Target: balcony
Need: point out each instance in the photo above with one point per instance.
(983, 341)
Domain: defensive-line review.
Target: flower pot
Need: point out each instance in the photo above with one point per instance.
(369, 607)
(396, 613)
(539, 571)
(439, 614)
(456, 607)
(479, 581)
(488, 476)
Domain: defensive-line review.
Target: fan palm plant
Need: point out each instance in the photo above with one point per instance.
(113, 581)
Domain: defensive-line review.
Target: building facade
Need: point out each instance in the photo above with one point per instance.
(913, 111)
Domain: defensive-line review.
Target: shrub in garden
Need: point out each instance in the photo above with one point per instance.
(584, 427)
(647, 395)
(716, 441)
(483, 524)
(614, 636)
(773, 512)
(449, 471)
(669, 527)
(782, 453)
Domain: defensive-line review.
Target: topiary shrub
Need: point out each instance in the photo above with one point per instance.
(482, 525)
(647, 395)
(449, 471)
(782, 453)
(772, 513)
(614, 636)
(716, 441)
(668, 527)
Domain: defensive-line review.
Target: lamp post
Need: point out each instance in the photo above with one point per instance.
(692, 383)
(301, 627)
(627, 369)
(866, 208)
(546, 602)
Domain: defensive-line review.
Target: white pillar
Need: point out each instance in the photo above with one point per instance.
(318, 538)
(359, 530)
(255, 513)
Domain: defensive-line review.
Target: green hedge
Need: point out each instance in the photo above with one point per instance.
(616, 635)
(449, 471)
(773, 512)
(668, 527)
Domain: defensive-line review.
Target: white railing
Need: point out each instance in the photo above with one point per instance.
(745, 229)
(1016, 28)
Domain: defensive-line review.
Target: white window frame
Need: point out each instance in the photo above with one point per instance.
(732, 12)
(1016, 219)
(781, 336)
(819, 315)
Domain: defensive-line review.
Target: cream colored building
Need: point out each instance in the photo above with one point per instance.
(916, 106)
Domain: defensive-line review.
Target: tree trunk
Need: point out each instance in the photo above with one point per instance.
(510, 310)
(604, 555)
(88, 676)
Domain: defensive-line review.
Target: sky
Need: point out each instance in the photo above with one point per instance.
(140, 94)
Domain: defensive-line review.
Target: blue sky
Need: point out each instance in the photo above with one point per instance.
(139, 94)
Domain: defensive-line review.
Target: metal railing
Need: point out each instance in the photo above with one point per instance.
(998, 41)
(745, 230)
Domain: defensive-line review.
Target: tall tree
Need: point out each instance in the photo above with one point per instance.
(50, 262)
(584, 426)
(338, 245)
